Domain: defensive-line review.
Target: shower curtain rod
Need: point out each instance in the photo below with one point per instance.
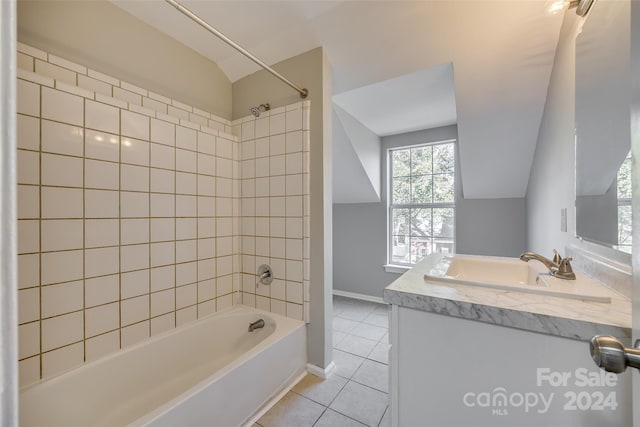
(302, 91)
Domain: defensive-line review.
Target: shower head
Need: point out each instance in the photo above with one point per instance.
(257, 110)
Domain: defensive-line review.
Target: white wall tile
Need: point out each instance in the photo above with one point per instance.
(186, 296)
(102, 345)
(186, 206)
(133, 334)
(101, 232)
(162, 181)
(101, 261)
(102, 319)
(134, 204)
(62, 299)
(134, 125)
(186, 315)
(277, 144)
(101, 290)
(293, 142)
(163, 278)
(206, 290)
(262, 127)
(28, 236)
(206, 143)
(135, 257)
(101, 175)
(62, 107)
(276, 124)
(28, 167)
(28, 201)
(102, 117)
(224, 148)
(94, 85)
(185, 160)
(28, 305)
(61, 202)
(100, 204)
(162, 205)
(59, 235)
(55, 72)
(162, 229)
(186, 183)
(186, 273)
(62, 330)
(294, 120)
(28, 101)
(163, 156)
(101, 145)
(162, 302)
(186, 250)
(134, 178)
(133, 231)
(294, 311)
(28, 270)
(163, 132)
(62, 359)
(162, 254)
(134, 151)
(127, 96)
(134, 283)
(134, 310)
(186, 138)
(206, 248)
(62, 138)
(28, 132)
(28, 340)
(207, 185)
(163, 323)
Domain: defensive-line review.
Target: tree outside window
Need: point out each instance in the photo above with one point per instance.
(421, 202)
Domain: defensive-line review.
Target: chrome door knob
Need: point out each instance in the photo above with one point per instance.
(609, 354)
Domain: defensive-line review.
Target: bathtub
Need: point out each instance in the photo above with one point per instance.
(212, 372)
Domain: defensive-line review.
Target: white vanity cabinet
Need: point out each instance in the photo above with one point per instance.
(468, 356)
(448, 371)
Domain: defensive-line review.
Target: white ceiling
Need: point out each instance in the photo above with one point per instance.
(502, 53)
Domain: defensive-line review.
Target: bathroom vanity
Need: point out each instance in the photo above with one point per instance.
(463, 353)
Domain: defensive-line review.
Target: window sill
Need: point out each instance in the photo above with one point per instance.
(400, 269)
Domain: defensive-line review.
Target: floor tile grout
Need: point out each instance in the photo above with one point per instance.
(362, 310)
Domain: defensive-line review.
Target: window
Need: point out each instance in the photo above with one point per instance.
(624, 205)
(421, 202)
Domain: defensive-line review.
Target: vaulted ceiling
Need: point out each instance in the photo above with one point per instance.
(501, 53)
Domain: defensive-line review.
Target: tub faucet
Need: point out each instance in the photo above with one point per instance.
(560, 267)
(256, 325)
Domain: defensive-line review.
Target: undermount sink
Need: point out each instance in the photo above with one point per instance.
(512, 274)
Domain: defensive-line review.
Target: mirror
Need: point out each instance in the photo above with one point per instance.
(603, 126)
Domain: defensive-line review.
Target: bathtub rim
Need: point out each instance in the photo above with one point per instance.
(237, 307)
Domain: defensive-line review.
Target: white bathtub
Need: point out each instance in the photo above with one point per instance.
(212, 372)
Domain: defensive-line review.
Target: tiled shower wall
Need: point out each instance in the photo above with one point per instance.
(128, 206)
(274, 153)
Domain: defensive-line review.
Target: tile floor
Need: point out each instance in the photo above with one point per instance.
(356, 395)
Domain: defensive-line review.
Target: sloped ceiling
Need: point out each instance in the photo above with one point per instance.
(502, 53)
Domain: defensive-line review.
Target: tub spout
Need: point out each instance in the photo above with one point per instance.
(256, 325)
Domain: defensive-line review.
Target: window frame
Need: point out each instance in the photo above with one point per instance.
(394, 266)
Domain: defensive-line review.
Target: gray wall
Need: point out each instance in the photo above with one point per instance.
(313, 71)
(483, 227)
(105, 38)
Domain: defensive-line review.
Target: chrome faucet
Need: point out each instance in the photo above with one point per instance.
(256, 325)
(558, 267)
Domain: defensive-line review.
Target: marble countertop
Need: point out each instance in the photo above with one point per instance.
(538, 313)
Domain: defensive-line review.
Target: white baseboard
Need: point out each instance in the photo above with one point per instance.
(320, 372)
(354, 295)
